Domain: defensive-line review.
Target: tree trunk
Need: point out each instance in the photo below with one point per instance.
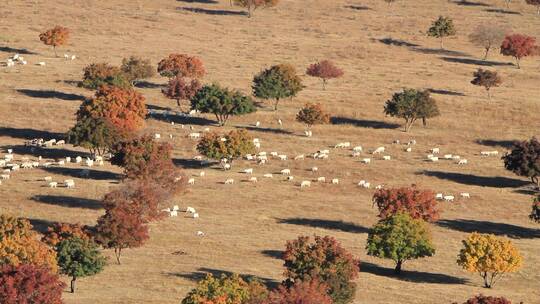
(486, 54)
(324, 84)
(117, 252)
(489, 94)
(424, 121)
(442, 46)
(517, 61)
(73, 279)
(54, 49)
(397, 270)
(276, 104)
(486, 281)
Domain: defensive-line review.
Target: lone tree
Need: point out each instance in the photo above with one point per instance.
(490, 256)
(100, 74)
(411, 105)
(277, 82)
(535, 3)
(19, 244)
(231, 146)
(181, 65)
(56, 36)
(400, 238)
(29, 284)
(524, 160)
(481, 299)
(136, 69)
(488, 36)
(519, 46)
(535, 212)
(121, 228)
(325, 70)
(179, 89)
(252, 5)
(95, 134)
(79, 258)
(222, 102)
(441, 28)
(324, 260)
(312, 114)
(62, 231)
(307, 292)
(417, 203)
(486, 79)
(226, 289)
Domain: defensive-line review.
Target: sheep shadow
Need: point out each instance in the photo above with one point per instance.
(276, 254)
(358, 7)
(211, 12)
(189, 163)
(199, 1)
(476, 61)
(8, 49)
(507, 144)
(475, 180)
(148, 85)
(41, 225)
(202, 272)
(51, 94)
(364, 123)
(68, 201)
(266, 130)
(326, 224)
(501, 11)
(445, 92)
(439, 52)
(92, 174)
(25, 133)
(396, 42)
(511, 231)
(471, 3)
(411, 275)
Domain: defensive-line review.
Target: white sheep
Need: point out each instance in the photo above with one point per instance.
(78, 159)
(448, 156)
(335, 181)
(387, 157)
(47, 178)
(68, 159)
(290, 178)
(190, 210)
(195, 215)
(305, 184)
(449, 198)
(229, 181)
(465, 195)
(435, 150)
(173, 213)
(61, 142)
(191, 181)
(358, 149)
(379, 150)
(409, 149)
(462, 162)
(308, 133)
(268, 175)
(321, 179)
(226, 166)
(314, 169)
(439, 196)
(202, 174)
(53, 184)
(194, 135)
(253, 179)
(366, 160)
(285, 172)
(4, 176)
(299, 157)
(282, 157)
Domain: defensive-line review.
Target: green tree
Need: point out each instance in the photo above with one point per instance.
(221, 102)
(136, 69)
(487, 79)
(411, 105)
(400, 238)
(94, 134)
(441, 28)
(524, 160)
(231, 146)
(277, 82)
(99, 74)
(79, 258)
(535, 212)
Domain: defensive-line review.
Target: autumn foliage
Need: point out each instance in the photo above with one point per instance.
(302, 292)
(62, 231)
(325, 260)
(96, 75)
(231, 146)
(489, 256)
(486, 79)
(181, 65)
(29, 284)
(519, 46)
(312, 114)
(481, 299)
(56, 36)
(227, 289)
(135, 69)
(325, 70)
(411, 200)
(179, 88)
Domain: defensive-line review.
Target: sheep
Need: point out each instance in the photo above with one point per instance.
(190, 210)
(282, 157)
(202, 174)
(465, 195)
(249, 157)
(26, 165)
(53, 184)
(335, 181)
(173, 213)
(435, 150)
(409, 149)
(257, 124)
(261, 161)
(449, 198)
(314, 169)
(379, 187)
(439, 196)
(61, 142)
(61, 162)
(285, 172)
(308, 133)
(89, 162)
(489, 153)
(274, 154)
(197, 157)
(379, 150)
(191, 181)
(227, 167)
(229, 181)
(35, 164)
(69, 183)
(78, 159)
(343, 145)
(366, 160)
(2, 163)
(448, 156)
(362, 182)
(321, 179)
(268, 175)
(356, 154)
(326, 151)
(256, 140)
(195, 215)
(434, 159)
(200, 233)
(387, 157)
(4, 176)
(299, 157)
(305, 184)
(10, 151)
(358, 149)
(456, 157)
(253, 179)
(194, 135)
(322, 156)
(411, 142)
(15, 168)
(73, 57)
(462, 162)
(262, 153)
(6, 171)
(206, 130)
(290, 178)
(47, 178)
(68, 159)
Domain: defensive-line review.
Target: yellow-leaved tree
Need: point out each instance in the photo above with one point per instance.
(490, 256)
(19, 244)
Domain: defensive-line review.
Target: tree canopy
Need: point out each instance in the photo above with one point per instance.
(411, 104)
(411, 200)
(524, 160)
(277, 82)
(233, 145)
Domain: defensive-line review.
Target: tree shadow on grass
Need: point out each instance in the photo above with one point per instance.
(411, 276)
(475, 180)
(471, 3)
(202, 272)
(199, 1)
(326, 224)
(501, 11)
(445, 92)
(476, 61)
(358, 7)
(25, 133)
(46, 153)
(51, 94)
(509, 230)
(77, 172)
(396, 42)
(183, 119)
(148, 85)
(276, 254)
(507, 144)
(189, 163)
(8, 49)
(68, 201)
(364, 123)
(266, 130)
(205, 11)
(440, 52)
(41, 225)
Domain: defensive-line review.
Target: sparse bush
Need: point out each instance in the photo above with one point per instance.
(519, 46)
(95, 134)
(524, 160)
(179, 89)
(481, 299)
(79, 258)
(62, 231)
(228, 289)
(323, 260)
(252, 5)
(400, 238)
(29, 284)
(222, 102)
(277, 82)
(441, 28)
(312, 114)
(231, 146)
(56, 36)
(325, 70)
(302, 292)
(535, 3)
(136, 69)
(488, 36)
(489, 256)
(486, 79)
(411, 200)
(181, 65)
(101, 74)
(411, 105)
(535, 212)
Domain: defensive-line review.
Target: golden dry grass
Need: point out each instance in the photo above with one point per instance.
(247, 223)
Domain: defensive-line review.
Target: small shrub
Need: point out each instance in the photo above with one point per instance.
(519, 46)
(136, 69)
(411, 200)
(535, 212)
(411, 105)
(486, 79)
(252, 5)
(312, 114)
(56, 36)
(325, 70)
(441, 28)
(481, 299)
(277, 82)
(100, 74)
(231, 146)
(308, 292)
(28, 283)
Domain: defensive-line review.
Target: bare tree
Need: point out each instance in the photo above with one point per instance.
(488, 36)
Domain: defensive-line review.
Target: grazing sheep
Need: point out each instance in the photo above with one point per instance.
(229, 181)
(449, 198)
(299, 157)
(434, 159)
(358, 149)
(314, 169)
(411, 142)
(6, 171)
(4, 176)
(253, 179)
(69, 183)
(53, 184)
(290, 178)
(465, 195)
(362, 182)
(262, 161)
(308, 133)
(387, 157)
(462, 162)
(282, 157)
(191, 181)
(200, 233)
(173, 213)
(366, 160)
(195, 215)
(194, 135)
(15, 168)
(356, 154)
(435, 150)
(343, 145)
(409, 149)
(439, 196)
(335, 181)
(321, 179)
(89, 162)
(47, 178)
(2, 163)
(285, 172)
(448, 156)
(257, 124)
(202, 174)
(379, 150)
(268, 175)
(456, 157)
(190, 210)
(197, 157)
(68, 159)
(61, 142)
(257, 145)
(78, 159)
(175, 208)
(61, 163)
(227, 167)
(379, 187)
(305, 184)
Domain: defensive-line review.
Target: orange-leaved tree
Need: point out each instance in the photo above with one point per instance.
(179, 89)
(56, 36)
(312, 114)
(411, 200)
(181, 65)
(311, 291)
(61, 231)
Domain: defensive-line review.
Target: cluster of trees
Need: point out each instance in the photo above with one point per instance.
(184, 72)
(133, 70)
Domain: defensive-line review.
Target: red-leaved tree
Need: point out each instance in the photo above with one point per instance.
(411, 200)
(29, 284)
(62, 231)
(180, 89)
(325, 70)
(302, 292)
(535, 3)
(519, 46)
(481, 299)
